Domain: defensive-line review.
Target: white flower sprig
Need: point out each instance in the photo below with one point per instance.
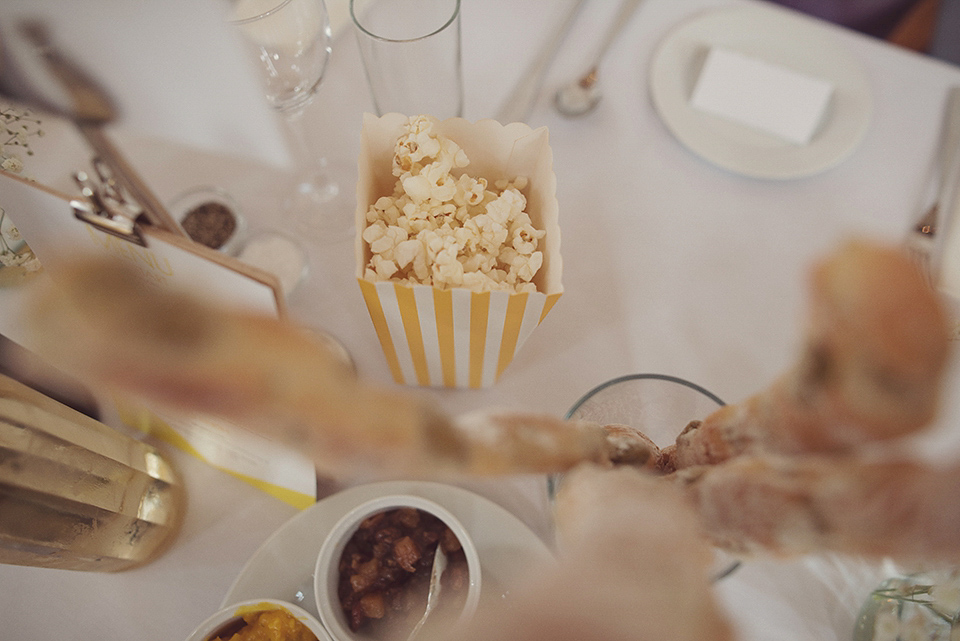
(19, 125)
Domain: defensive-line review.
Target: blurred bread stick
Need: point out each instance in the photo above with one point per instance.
(795, 505)
(875, 351)
(634, 566)
(178, 353)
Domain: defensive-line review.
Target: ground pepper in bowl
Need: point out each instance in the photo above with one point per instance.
(210, 223)
(384, 571)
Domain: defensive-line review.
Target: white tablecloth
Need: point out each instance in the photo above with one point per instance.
(671, 265)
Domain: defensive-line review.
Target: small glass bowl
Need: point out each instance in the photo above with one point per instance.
(181, 206)
(658, 405)
(224, 620)
(278, 254)
(327, 573)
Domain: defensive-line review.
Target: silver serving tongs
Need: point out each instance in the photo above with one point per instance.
(118, 201)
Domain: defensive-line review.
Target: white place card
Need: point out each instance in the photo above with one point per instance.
(761, 95)
(46, 220)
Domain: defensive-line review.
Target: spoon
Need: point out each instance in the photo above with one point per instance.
(517, 106)
(433, 594)
(950, 140)
(580, 96)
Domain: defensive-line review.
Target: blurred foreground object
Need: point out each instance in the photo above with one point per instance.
(898, 509)
(77, 494)
(875, 351)
(178, 353)
(633, 567)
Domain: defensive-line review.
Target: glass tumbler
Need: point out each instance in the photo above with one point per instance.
(658, 405)
(76, 494)
(411, 55)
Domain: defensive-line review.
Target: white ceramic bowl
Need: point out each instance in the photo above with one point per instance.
(326, 576)
(235, 612)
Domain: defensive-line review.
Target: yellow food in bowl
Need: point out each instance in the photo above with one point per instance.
(266, 625)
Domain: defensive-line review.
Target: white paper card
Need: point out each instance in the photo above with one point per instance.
(45, 219)
(762, 95)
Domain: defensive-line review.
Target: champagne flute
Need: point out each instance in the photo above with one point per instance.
(291, 39)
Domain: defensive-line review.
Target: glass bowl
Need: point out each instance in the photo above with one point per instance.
(658, 405)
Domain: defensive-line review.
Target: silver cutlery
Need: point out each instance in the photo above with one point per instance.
(433, 595)
(517, 106)
(580, 96)
(920, 240)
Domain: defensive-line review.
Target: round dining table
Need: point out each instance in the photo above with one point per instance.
(672, 265)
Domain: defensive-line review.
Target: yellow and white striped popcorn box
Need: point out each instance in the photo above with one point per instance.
(456, 337)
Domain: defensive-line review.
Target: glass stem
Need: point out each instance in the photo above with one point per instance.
(311, 166)
(309, 203)
(303, 154)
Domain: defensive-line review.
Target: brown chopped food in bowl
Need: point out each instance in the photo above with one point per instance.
(385, 570)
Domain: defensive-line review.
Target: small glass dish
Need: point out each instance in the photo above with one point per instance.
(278, 254)
(658, 405)
(210, 217)
(229, 620)
(327, 571)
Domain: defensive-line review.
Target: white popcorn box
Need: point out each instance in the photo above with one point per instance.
(455, 337)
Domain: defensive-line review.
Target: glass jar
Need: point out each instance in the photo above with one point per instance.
(916, 606)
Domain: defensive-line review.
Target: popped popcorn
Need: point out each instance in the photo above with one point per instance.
(450, 231)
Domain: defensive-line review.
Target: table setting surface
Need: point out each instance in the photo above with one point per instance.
(671, 265)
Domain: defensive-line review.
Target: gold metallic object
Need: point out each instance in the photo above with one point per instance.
(77, 494)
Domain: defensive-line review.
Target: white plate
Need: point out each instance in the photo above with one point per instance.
(780, 37)
(283, 566)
